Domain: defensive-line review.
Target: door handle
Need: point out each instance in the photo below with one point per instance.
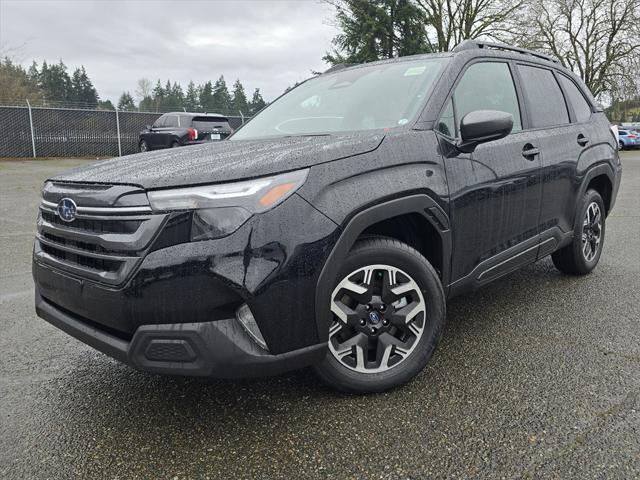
(582, 140)
(530, 152)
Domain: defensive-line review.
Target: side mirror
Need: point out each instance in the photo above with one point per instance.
(482, 126)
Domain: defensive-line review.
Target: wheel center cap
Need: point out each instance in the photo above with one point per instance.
(374, 317)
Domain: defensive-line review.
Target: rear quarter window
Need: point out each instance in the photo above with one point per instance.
(581, 107)
(545, 101)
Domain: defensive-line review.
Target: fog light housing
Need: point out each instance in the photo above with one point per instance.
(245, 317)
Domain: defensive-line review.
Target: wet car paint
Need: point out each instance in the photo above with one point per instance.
(488, 213)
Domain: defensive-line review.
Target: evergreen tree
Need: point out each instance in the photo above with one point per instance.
(176, 97)
(126, 102)
(55, 82)
(257, 102)
(191, 98)
(221, 97)
(239, 100)
(158, 96)
(82, 90)
(206, 97)
(377, 29)
(33, 73)
(105, 105)
(147, 104)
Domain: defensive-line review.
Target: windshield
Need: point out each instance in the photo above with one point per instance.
(366, 98)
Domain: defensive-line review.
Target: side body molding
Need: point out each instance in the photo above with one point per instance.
(420, 204)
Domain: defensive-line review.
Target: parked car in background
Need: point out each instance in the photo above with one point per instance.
(179, 128)
(628, 139)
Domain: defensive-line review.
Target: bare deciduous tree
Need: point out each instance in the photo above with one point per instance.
(449, 22)
(598, 39)
(144, 88)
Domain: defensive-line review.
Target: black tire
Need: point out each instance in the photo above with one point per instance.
(143, 146)
(621, 144)
(175, 144)
(572, 259)
(374, 250)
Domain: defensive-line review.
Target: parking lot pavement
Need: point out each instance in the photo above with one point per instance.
(538, 376)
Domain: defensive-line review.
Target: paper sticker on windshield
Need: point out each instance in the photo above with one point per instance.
(415, 71)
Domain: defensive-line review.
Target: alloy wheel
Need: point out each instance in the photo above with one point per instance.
(379, 317)
(591, 231)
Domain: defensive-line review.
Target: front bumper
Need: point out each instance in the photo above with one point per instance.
(218, 348)
(182, 298)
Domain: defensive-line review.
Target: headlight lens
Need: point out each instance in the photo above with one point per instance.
(211, 223)
(222, 208)
(254, 195)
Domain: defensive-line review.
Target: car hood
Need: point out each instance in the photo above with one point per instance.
(222, 161)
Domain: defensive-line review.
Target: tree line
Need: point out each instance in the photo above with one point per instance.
(598, 39)
(46, 82)
(206, 97)
(51, 84)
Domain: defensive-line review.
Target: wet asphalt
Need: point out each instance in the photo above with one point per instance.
(537, 376)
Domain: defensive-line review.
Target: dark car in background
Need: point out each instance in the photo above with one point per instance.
(175, 129)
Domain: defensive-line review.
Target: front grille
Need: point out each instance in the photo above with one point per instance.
(97, 264)
(103, 243)
(98, 226)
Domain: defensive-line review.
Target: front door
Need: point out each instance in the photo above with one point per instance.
(495, 192)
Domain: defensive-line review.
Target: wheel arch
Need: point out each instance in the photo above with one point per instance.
(602, 179)
(419, 214)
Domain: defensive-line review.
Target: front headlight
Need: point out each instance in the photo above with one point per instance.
(222, 208)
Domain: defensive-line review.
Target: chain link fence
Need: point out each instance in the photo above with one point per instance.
(27, 131)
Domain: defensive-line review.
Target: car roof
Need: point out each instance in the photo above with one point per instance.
(192, 114)
(467, 48)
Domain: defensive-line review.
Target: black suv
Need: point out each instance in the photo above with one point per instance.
(177, 128)
(331, 229)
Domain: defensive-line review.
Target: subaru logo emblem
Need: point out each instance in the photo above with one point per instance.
(374, 317)
(67, 210)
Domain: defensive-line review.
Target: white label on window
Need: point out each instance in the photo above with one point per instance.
(414, 71)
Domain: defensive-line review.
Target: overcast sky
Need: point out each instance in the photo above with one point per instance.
(269, 44)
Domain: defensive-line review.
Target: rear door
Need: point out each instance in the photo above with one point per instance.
(557, 109)
(495, 191)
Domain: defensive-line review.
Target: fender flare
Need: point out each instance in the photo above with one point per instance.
(421, 204)
(595, 171)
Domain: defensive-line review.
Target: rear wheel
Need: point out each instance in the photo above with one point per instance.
(174, 144)
(583, 254)
(621, 144)
(388, 310)
(143, 146)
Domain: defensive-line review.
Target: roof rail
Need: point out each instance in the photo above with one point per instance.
(339, 66)
(473, 44)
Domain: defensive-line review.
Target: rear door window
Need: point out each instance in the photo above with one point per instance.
(484, 86)
(581, 107)
(545, 102)
(171, 121)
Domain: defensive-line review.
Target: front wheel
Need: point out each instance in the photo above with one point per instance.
(582, 255)
(388, 311)
(144, 147)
